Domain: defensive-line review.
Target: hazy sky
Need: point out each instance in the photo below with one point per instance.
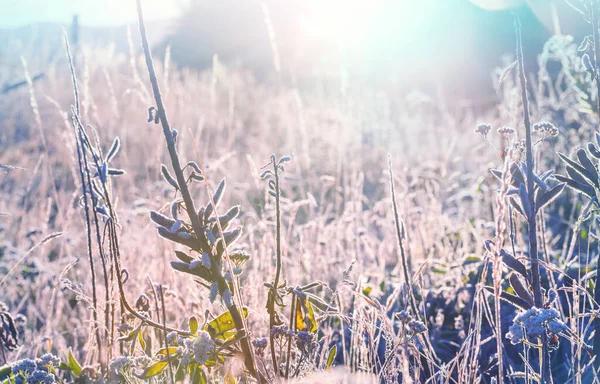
(16, 13)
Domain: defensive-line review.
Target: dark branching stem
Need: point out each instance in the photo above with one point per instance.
(185, 193)
(531, 221)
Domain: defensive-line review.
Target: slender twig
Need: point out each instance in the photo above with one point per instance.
(274, 292)
(400, 235)
(293, 328)
(84, 162)
(164, 320)
(531, 221)
(89, 243)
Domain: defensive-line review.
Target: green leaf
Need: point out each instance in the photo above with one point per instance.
(439, 268)
(229, 378)
(141, 340)
(512, 299)
(202, 376)
(579, 168)
(471, 259)
(331, 357)
(163, 351)
(585, 188)
(588, 165)
(131, 335)
(520, 288)
(5, 371)
(305, 316)
(212, 362)
(72, 364)
(155, 369)
(516, 205)
(546, 197)
(193, 324)
(299, 317)
(367, 290)
(222, 324)
(513, 263)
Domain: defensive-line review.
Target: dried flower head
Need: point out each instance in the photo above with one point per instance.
(545, 128)
(533, 323)
(506, 131)
(483, 129)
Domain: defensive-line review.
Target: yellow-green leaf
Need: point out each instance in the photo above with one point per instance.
(142, 341)
(229, 378)
(299, 317)
(155, 368)
(471, 259)
(199, 376)
(212, 362)
(223, 323)
(367, 290)
(305, 316)
(131, 335)
(163, 351)
(73, 364)
(193, 324)
(331, 357)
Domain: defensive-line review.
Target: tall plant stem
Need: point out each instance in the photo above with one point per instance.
(531, 221)
(185, 193)
(83, 171)
(400, 235)
(274, 291)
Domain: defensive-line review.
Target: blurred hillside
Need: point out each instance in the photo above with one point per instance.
(397, 44)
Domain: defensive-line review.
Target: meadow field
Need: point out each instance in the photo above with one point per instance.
(164, 224)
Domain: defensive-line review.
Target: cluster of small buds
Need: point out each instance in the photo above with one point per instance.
(142, 361)
(25, 366)
(281, 331)
(260, 344)
(520, 146)
(506, 131)
(306, 341)
(414, 325)
(533, 323)
(172, 338)
(417, 326)
(120, 364)
(39, 371)
(239, 257)
(199, 349)
(483, 129)
(404, 316)
(48, 361)
(545, 128)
